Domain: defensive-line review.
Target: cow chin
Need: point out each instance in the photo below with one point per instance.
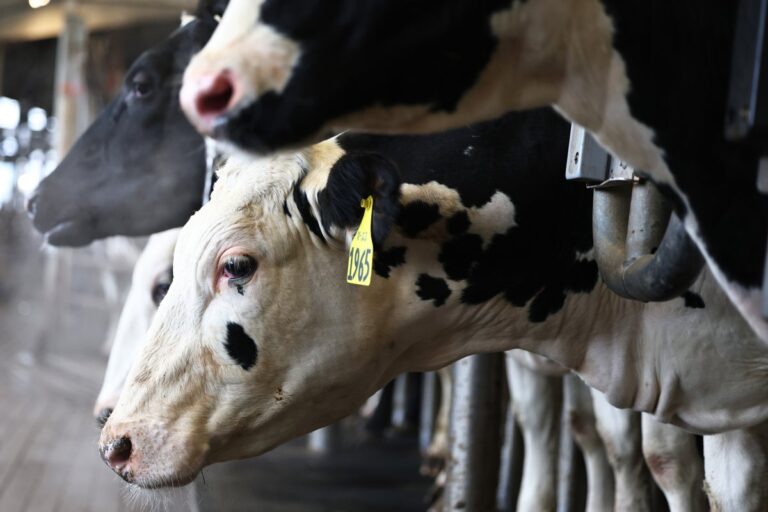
(151, 456)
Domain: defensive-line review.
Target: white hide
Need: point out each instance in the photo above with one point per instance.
(580, 418)
(620, 431)
(136, 316)
(536, 399)
(675, 464)
(736, 468)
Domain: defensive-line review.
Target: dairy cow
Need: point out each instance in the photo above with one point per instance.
(260, 339)
(152, 276)
(649, 79)
(140, 155)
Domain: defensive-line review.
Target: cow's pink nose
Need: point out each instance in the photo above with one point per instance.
(117, 453)
(204, 98)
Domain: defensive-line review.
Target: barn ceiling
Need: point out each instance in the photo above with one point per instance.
(19, 22)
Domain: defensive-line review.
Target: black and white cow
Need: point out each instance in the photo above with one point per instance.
(151, 278)
(140, 167)
(260, 339)
(648, 79)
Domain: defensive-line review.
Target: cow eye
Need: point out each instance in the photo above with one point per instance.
(141, 85)
(161, 286)
(159, 291)
(239, 267)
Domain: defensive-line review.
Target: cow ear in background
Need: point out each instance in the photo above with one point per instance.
(353, 178)
(211, 8)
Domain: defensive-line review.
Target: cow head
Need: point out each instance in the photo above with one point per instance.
(252, 344)
(282, 72)
(151, 279)
(140, 155)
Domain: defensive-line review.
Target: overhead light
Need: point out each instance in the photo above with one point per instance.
(38, 3)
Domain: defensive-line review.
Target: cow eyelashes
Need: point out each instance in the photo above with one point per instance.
(239, 268)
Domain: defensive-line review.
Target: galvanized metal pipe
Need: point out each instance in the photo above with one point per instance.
(325, 440)
(626, 259)
(649, 216)
(475, 433)
(399, 399)
(429, 405)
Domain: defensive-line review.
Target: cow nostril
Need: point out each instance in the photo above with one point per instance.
(103, 416)
(32, 205)
(118, 453)
(215, 98)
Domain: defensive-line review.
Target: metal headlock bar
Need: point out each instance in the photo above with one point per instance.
(641, 248)
(747, 109)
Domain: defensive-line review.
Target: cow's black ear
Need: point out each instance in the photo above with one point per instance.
(211, 8)
(354, 177)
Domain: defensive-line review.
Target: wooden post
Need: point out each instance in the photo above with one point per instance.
(70, 94)
(71, 112)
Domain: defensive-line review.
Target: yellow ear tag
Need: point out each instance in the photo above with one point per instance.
(360, 265)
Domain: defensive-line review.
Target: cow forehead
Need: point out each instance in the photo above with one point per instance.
(238, 19)
(248, 189)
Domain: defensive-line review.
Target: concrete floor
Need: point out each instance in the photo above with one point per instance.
(51, 365)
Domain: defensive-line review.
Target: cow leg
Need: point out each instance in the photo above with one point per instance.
(736, 468)
(580, 417)
(620, 431)
(675, 464)
(536, 403)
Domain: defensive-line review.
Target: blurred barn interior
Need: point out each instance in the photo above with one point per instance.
(60, 63)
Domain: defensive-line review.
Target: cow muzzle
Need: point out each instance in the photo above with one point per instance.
(206, 99)
(149, 455)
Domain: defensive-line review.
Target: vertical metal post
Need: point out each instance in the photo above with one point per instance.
(325, 440)
(406, 400)
(762, 186)
(429, 403)
(511, 470)
(400, 397)
(475, 433)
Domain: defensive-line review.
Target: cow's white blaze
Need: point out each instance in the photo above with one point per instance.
(324, 346)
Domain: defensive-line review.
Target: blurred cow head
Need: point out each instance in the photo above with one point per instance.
(140, 167)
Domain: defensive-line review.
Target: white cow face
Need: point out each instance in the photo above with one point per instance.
(252, 344)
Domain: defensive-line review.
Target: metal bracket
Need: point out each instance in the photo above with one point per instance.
(590, 163)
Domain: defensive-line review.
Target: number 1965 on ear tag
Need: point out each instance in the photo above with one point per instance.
(360, 261)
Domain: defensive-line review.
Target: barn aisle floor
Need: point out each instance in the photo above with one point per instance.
(51, 365)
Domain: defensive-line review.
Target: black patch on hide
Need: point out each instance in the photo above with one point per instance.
(240, 346)
(432, 288)
(693, 300)
(385, 260)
